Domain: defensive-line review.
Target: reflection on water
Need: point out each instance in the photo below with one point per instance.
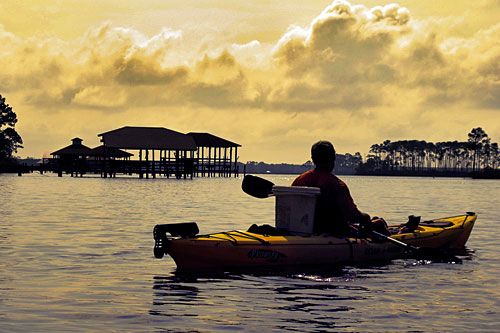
(76, 255)
(291, 298)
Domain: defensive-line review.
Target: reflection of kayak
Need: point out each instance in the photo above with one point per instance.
(242, 249)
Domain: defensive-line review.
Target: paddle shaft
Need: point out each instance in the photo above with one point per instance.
(395, 241)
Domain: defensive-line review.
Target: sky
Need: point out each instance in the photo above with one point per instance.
(273, 76)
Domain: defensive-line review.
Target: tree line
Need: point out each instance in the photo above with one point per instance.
(476, 154)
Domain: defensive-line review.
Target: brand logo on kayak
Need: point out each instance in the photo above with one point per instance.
(270, 255)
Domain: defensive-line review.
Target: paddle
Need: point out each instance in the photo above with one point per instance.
(262, 188)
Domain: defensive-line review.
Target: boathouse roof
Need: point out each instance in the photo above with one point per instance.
(74, 149)
(161, 138)
(103, 151)
(210, 140)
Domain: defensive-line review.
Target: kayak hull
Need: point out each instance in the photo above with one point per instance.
(241, 249)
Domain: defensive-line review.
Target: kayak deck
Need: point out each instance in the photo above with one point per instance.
(240, 249)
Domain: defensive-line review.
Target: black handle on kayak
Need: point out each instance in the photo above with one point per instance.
(257, 187)
(183, 230)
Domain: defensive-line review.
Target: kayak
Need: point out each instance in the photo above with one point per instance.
(237, 249)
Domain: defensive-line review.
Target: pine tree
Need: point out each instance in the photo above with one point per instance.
(10, 140)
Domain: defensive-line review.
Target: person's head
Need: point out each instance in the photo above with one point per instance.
(323, 155)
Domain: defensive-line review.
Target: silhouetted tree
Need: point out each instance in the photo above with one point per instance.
(477, 138)
(10, 140)
(495, 155)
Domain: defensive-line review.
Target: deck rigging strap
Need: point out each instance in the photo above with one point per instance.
(231, 237)
(245, 235)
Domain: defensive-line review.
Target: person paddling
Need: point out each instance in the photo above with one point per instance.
(336, 212)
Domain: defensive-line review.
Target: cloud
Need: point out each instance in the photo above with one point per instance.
(107, 61)
(346, 52)
(349, 57)
(453, 71)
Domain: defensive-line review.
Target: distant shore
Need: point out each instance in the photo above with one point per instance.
(290, 169)
(353, 170)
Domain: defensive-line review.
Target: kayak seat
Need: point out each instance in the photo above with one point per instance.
(413, 223)
(183, 230)
(410, 226)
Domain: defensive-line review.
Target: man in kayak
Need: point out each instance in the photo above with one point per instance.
(336, 212)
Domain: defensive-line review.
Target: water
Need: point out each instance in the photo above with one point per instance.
(76, 255)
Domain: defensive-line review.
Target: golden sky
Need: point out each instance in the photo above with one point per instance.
(274, 76)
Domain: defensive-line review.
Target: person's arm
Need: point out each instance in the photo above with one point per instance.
(351, 211)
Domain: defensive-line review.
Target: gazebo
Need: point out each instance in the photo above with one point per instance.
(72, 158)
(75, 150)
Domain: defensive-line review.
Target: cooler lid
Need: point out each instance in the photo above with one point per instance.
(296, 190)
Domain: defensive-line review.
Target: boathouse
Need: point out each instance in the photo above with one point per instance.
(161, 151)
(215, 155)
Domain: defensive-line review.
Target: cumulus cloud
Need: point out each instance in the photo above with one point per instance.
(350, 55)
(346, 51)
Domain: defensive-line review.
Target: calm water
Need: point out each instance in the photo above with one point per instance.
(76, 255)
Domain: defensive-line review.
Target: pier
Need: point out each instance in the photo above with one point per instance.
(148, 152)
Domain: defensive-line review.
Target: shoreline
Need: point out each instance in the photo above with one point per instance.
(482, 174)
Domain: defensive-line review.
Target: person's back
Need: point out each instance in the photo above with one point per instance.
(335, 208)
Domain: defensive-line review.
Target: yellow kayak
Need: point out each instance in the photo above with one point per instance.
(238, 249)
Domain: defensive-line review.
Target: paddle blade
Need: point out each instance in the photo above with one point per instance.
(257, 187)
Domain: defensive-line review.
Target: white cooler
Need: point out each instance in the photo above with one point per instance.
(295, 206)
